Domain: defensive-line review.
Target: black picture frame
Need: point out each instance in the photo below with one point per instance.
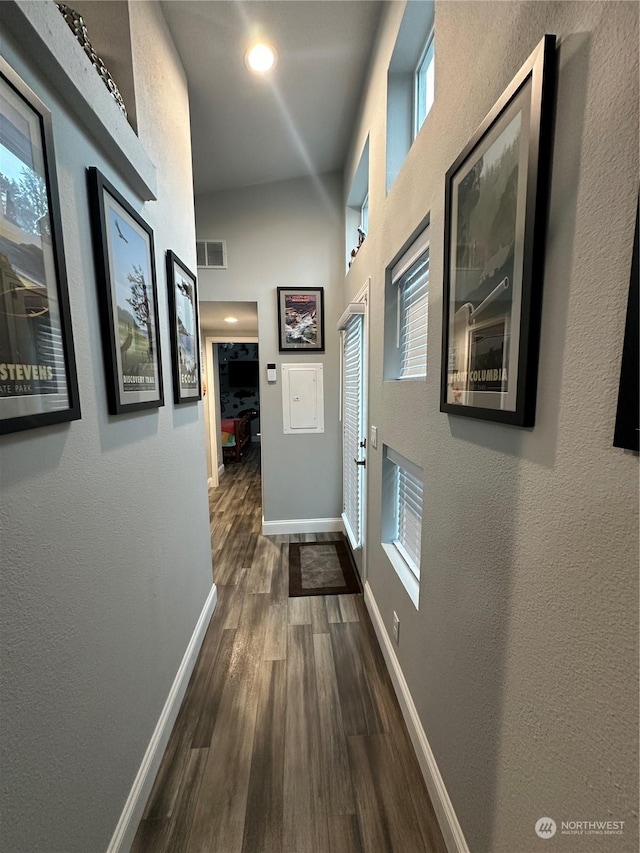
(38, 378)
(125, 264)
(184, 323)
(496, 199)
(627, 428)
(301, 319)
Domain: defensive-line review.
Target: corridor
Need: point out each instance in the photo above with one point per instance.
(290, 737)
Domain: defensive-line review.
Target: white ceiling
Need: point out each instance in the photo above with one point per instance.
(297, 120)
(212, 316)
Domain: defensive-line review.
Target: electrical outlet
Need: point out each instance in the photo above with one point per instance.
(374, 437)
(396, 627)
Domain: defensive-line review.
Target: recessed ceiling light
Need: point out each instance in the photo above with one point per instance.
(231, 319)
(261, 58)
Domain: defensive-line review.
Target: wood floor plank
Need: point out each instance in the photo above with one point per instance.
(305, 827)
(280, 576)
(377, 674)
(180, 825)
(275, 646)
(152, 835)
(219, 527)
(348, 609)
(386, 814)
(300, 611)
(265, 557)
(319, 619)
(332, 606)
(170, 774)
(233, 557)
(264, 814)
(338, 791)
(214, 686)
(359, 709)
(219, 815)
(344, 834)
(233, 605)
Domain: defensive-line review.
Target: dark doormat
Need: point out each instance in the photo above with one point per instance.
(321, 568)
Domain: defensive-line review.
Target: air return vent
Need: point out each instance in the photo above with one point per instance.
(212, 254)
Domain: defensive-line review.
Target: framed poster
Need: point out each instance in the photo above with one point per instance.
(126, 275)
(301, 319)
(495, 219)
(185, 330)
(627, 429)
(38, 382)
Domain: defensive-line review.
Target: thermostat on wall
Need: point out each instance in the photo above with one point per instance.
(272, 374)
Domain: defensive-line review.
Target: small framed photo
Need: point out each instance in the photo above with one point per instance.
(126, 274)
(495, 220)
(38, 381)
(185, 330)
(301, 319)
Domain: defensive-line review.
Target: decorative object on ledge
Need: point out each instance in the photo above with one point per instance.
(354, 252)
(38, 383)
(495, 221)
(184, 329)
(126, 277)
(78, 27)
(627, 432)
(301, 319)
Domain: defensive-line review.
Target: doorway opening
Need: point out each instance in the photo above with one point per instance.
(231, 368)
(239, 383)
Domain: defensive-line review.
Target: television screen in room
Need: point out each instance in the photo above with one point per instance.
(243, 374)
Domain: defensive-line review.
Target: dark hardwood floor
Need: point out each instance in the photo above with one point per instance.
(290, 738)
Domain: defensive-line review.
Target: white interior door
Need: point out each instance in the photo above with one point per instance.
(354, 426)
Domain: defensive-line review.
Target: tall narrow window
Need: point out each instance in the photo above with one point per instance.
(425, 84)
(402, 493)
(409, 534)
(413, 311)
(410, 83)
(407, 298)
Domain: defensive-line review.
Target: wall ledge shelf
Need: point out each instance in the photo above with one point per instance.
(43, 36)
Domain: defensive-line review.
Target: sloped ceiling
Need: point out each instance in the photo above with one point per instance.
(297, 120)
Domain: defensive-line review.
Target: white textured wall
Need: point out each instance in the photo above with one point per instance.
(105, 550)
(286, 234)
(522, 659)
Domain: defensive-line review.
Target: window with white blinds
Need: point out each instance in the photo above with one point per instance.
(409, 498)
(352, 428)
(407, 312)
(402, 494)
(413, 308)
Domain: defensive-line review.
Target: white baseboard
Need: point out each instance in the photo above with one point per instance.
(136, 801)
(302, 525)
(210, 482)
(449, 825)
(220, 471)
